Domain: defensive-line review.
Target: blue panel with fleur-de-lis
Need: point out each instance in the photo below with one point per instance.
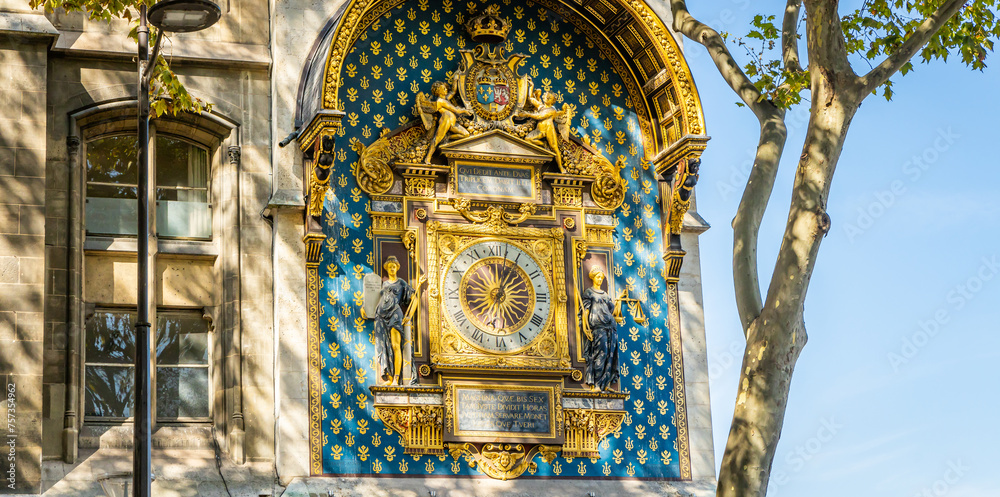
(401, 53)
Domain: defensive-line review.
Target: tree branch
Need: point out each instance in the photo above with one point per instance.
(700, 33)
(746, 223)
(790, 36)
(913, 43)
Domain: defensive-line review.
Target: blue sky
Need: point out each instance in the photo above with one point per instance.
(896, 393)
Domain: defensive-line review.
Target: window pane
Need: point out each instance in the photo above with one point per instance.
(111, 216)
(181, 392)
(109, 391)
(181, 339)
(111, 338)
(183, 219)
(179, 163)
(111, 191)
(112, 160)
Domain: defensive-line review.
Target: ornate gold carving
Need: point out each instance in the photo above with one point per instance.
(569, 223)
(586, 428)
(420, 187)
(421, 213)
(387, 221)
(424, 370)
(488, 27)
(373, 171)
(420, 426)
(577, 375)
(677, 374)
(314, 243)
(674, 259)
(567, 196)
(502, 461)
(608, 189)
(580, 251)
(319, 176)
(597, 235)
(680, 201)
(495, 216)
(410, 242)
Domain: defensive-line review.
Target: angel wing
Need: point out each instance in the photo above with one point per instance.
(427, 111)
(564, 119)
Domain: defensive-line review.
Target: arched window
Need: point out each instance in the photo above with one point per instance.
(183, 208)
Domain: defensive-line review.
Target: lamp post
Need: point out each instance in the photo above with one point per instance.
(179, 16)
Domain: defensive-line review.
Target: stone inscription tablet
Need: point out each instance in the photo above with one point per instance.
(498, 411)
(509, 182)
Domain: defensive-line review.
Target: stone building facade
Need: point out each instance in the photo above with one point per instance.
(234, 402)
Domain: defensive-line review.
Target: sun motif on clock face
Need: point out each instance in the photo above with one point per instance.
(497, 296)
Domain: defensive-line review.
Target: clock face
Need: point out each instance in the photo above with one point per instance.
(496, 296)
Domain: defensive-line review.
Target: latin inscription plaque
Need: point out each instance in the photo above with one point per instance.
(499, 411)
(515, 182)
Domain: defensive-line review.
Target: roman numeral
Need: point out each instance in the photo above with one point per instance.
(536, 320)
(522, 337)
(477, 335)
(534, 273)
(474, 251)
(461, 321)
(492, 250)
(501, 342)
(542, 297)
(453, 293)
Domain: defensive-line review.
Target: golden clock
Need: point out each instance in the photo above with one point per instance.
(497, 295)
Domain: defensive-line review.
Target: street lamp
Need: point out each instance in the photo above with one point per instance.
(181, 16)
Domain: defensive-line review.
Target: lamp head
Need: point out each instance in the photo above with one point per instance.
(183, 16)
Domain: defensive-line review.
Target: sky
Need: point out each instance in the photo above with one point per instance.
(896, 392)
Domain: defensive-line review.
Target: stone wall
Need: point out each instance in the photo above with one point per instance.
(23, 57)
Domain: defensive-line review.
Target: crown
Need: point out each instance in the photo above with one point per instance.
(488, 27)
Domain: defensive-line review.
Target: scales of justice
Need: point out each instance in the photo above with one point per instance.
(495, 318)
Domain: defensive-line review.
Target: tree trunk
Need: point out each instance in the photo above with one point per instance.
(776, 337)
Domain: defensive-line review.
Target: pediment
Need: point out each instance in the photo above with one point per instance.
(496, 145)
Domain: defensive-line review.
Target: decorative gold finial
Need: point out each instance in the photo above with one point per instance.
(488, 27)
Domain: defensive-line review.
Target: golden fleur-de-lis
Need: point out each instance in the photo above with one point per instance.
(362, 423)
(534, 71)
(348, 390)
(436, 40)
(449, 29)
(336, 426)
(348, 363)
(335, 401)
(425, 75)
(400, 25)
(429, 466)
(617, 455)
(638, 407)
(642, 271)
(652, 443)
(571, 88)
(334, 374)
(438, 64)
(543, 38)
(581, 468)
(424, 27)
(649, 395)
(604, 77)
(629, 258)
(557, 73)
(389, 85)
(390, 453)
(648, 370)
(376, 440)
(377, 466)
(636, 381)
(642, 456)
(557, 467)
(634, 173)
(361, 375)
(412, 38)
(664, 429)
(629, 445)
(387, 36)
(636, 358)
(633, 333)
(532, 48)
(661, 406)
(661, 382)
(363, 453)
(377, 73)
(350, 440)
(425, 51)
(646, 346)
(665, 457)
(424, 4)
(351, 70)
(449, 53)
(654, 309)
(403, 467)
(657, 336)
